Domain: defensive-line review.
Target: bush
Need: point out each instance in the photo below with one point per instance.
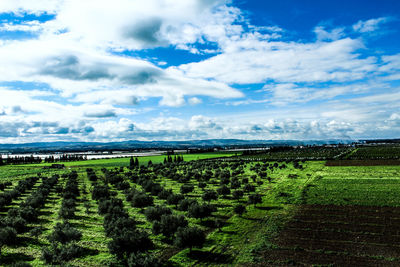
(164, 194)
(142, 260)
(174, 199)
(223, 190)
(239, 209)
(249, 188)
(255, 199)
(209, 195)
(155, 213)
(184, 204)
(237, 194)
(8, 236)
(189, 237)
(59, 254)
(199, 211)
(128, 242)
(141, 200)
(186, 188)
(64, 233)
(107, 206)
(168, 225)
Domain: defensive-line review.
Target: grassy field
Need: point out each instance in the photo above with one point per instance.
(347, 216)
(288, 190)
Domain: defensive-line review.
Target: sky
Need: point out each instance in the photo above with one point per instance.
(100, 70)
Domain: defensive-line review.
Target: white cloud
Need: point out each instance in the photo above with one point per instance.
(323, 35)
(369, 25)
(30, 7)
(125, 24)
(95, 91)
(92, 77)
(195, 101)
(29, 26)
(286, 62)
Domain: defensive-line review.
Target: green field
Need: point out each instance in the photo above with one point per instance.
(231, 239)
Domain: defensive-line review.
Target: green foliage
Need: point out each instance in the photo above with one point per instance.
(143, 260)
(65, 233)
(239, 209)
(189, 237)
(58, 254)
(129, 241)
(169, 224)
(155, 213)
(209, 195)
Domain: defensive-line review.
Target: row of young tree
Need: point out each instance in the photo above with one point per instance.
(129, 244)
(17, 219)
(63, 240)
(174, 228)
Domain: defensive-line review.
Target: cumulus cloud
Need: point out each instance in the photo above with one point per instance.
(287, 62)
(101, 114)
(31, 7)
(28, 26)
(369, 25)
(77, 72)
(83, 77)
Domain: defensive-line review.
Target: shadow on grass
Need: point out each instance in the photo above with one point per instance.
(208, 223)
(14, 257)
(222, 217)
(45, 213)
(88, 252)
(251, 219)
(42, 221)
(229, 232)
(24, 241)
(210, 257)
(269, 208)
(222, 205)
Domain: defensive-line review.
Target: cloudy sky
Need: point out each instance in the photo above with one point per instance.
(102, 70)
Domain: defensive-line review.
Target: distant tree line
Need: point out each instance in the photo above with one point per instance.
(35, 160)
(20, 160)
(176, 158)
(65, 157)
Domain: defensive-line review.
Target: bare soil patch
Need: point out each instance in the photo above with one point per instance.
(338, 236)
(363, 162)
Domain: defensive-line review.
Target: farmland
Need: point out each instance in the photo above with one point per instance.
(241, 212)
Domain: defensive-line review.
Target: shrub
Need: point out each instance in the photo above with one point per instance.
(174, 199)
(64, 233)
(141, 200)
(199, 211)
(189, 237)
(239, 209)
(223, 190)
(184, 204)
(128, 242)
(255, 199)
(155, 213)
(169, 224)
(142, 260)
(237, 194)
(209, 195)
(186, 188)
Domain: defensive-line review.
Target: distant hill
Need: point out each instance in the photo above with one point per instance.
(163, 145)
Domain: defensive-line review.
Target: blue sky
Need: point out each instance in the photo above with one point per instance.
(118, 70)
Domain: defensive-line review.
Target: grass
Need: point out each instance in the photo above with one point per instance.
(241, 238)
(361, 185)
